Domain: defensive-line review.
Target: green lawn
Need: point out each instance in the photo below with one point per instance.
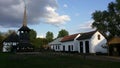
(38, 61)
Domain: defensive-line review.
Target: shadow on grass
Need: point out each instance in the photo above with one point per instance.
(51, 61)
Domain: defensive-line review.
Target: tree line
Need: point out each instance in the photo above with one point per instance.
(43, 42)
(37, 42)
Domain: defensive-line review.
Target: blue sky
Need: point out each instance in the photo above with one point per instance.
(78, 13)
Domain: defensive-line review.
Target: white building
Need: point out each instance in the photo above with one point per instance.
(56, 44)
(92, 42)
(89, 42)
(69, 43)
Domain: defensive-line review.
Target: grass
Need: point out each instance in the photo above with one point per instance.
(51, 61)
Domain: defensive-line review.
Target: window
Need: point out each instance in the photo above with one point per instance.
(58, 47)
(53, 47)
(98, 37)
(22, 31)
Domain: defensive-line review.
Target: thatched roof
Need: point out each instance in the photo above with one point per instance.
(115, 40)
(12, 38)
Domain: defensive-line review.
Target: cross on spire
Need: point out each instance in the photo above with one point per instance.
(25, 15)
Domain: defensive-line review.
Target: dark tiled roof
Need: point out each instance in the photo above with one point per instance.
(24, 28)
(83, 36)
(12, 38)
(86, 35)
(69, 38)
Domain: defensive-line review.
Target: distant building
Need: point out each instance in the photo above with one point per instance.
(10, 43)
(89, 42)
(20, 42)
(56, 44)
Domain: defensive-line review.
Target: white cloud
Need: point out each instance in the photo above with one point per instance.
(41, 36)
(54, 18)
(86, 26)
(12, 12)
(65, 6)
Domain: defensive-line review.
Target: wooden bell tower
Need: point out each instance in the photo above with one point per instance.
(24, 30)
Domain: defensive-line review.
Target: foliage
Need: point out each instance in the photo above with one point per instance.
(39, 42)
(1, 39)
(3, 35)
(63, 33)
(33, 34)
(6, 34)
(49, 36)
(108, 21)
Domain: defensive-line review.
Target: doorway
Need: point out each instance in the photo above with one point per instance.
(87, 46)
(69, 48)
(63, 48)
(81, 47)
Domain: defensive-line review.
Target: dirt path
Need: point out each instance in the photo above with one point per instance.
(102, 58)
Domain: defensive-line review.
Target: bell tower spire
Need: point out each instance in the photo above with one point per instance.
(25, 15)
(24, 30)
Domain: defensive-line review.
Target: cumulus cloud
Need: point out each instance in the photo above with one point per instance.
(11, 13)
(55, 18)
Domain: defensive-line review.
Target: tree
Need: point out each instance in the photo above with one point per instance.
(63, 33)
(39, 42)
(1, 40)
(33, 34)
(108, 21)
(49, 36)
(6, 34)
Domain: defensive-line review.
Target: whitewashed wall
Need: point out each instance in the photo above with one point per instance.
(84, 50)
(66, 44)
(7, 46)
(56, 47)
(96, 45)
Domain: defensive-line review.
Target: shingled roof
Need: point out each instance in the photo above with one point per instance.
(69, 38)
(24, 28)
(86, 35)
